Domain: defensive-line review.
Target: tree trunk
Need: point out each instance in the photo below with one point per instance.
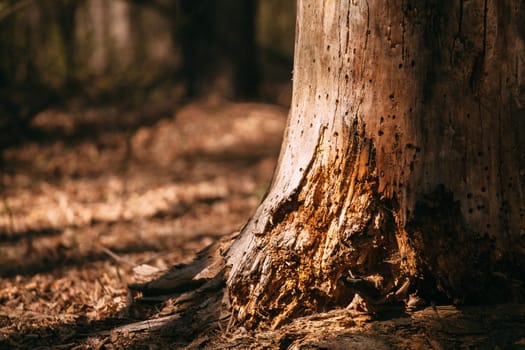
(66, 20)
(218, 47)
(402, 173)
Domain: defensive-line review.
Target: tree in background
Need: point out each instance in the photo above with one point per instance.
(38, 67)
(219, 46)
(54, 50)
(62, 43)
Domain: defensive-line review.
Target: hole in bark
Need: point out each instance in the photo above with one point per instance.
(413, 63)
(400, 65)
(380, 132)
(394, 116)
(483, 189)
(381, 120)
(391, 96)
(329, 69)
(328, 48)
(346, 77)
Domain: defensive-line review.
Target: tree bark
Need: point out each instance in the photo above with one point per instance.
(401, 175)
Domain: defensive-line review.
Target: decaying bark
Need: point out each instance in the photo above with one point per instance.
(401, 174)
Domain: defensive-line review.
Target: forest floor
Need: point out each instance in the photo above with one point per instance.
(95, 192)
(98, 197)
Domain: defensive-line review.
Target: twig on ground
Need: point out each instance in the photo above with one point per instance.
(114, 256)
(151, 324)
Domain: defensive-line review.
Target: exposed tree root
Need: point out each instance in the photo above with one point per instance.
(197, 312)
(186, 277)
(195, 293)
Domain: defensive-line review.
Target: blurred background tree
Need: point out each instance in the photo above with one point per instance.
(126, 51)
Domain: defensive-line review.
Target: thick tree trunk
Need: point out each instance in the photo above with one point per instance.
(402, 170)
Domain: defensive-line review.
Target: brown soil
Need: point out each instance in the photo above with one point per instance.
(95, 192)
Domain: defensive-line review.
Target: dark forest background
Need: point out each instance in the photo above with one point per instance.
(148, 54)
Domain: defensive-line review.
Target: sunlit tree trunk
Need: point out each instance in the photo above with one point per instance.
(401, 176)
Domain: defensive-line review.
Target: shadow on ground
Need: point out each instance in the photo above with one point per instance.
(95, 191)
